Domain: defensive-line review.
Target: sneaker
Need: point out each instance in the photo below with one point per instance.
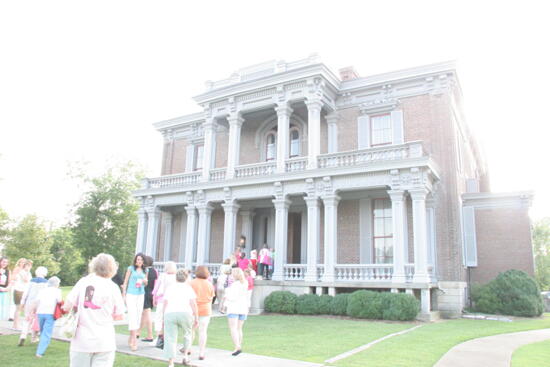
(21, 342)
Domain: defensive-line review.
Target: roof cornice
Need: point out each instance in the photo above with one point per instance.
(179, 121)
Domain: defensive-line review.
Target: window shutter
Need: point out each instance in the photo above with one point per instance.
(469, 236)
(397, 126)
(189, 157)
(363, 132)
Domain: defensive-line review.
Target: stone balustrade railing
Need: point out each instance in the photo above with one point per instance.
(173, 180)
(256, 169)
(320, 271)
(409, 272)
(365, 156)
(296, 164)
(217, 174)
(367, 272)
(294, 271)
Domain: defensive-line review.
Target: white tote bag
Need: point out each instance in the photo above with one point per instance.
(69, 324)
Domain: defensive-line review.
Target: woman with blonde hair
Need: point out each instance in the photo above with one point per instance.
(21, 279)
(236, 302)
(99, 303)
(165, 280)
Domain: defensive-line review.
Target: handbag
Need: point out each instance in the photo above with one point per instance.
(58, 310)
(69, 325)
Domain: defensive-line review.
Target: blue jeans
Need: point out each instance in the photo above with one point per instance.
(46, 322)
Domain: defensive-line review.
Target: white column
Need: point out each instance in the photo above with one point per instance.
(141, 238)
(167, 224)
(191, 236)
(183, 236)
(230, 209)
(208, 155)
(332, 132)
(399, 212)
(425, 301)
(233, 151)
(314, 131)
(418, 197)
(281, 234)
(152, 232)
(313, 233)
(247, 217)
(331, 232)
(203, 242)
(283, 122)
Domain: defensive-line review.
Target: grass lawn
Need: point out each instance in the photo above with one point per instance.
(56, 355)
(65, 290)
(427, 344)
(312, 339)
(536, 354)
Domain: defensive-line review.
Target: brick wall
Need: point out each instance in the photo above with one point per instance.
(216, 236)
(249, 153)
(503, 242)
(347, 129)
(348, 232)
(222, 139)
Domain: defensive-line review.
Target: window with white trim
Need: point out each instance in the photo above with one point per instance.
(199, 150)
(294, 142)
(382, 234)
(381, 129)
(271, 147)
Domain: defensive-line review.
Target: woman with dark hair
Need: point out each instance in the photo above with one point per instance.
(133, 290)
(146, 319)
(205, 294)
(4, 288)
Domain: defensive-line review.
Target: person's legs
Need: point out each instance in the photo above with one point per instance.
(203, 334)
(186, 323)
(240, 328)
(104, 359)
(170, 335)
(46, 328)
(146, 324)
(18, 308)
(233, 321)
(80, 359)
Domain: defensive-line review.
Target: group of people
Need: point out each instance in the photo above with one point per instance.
(182, 300)
(36, 297)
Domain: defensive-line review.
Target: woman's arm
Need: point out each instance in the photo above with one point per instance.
(125, 284)
(195, 310)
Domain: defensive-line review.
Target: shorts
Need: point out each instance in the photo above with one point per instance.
(234, 316)
(17, 295)
(147, 301)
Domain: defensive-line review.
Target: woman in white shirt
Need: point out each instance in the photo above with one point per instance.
(180, 311)
(236, 303)
(45, 307)
(164, 281)
(22, 278)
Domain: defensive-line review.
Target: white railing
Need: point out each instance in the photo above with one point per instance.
(173, 180)
(296, 164)
(320, 271)
(217, 174)
(213, 268)
(369, 272)
(365, 156)
(256, 169)
(294, 271)
(409, 272)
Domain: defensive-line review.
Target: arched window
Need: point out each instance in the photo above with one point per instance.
(271, 147)
(294, 142)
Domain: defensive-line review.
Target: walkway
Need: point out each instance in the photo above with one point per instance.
(494, 351)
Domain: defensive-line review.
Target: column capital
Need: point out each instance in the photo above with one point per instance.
(235, 119)
(205, 208)
(314, 104)
(281, 203)
(246, 213)
(283, 109)
(332, 118)
(155, 211)
(311, 201)
(208, 123)
(419, 193)
(230, 205)
(396, 195)
(190, 209)
(331, 200)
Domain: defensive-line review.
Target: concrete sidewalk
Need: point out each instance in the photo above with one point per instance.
(214, 357)
(494, 351)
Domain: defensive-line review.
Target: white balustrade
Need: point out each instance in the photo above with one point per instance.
(217, 174)
(294, 271)
(214, 269)
(320, 271)
(365, 156)
(174, 180)
(256, 169)
(296, 164)
(368, 272)
(409, 272)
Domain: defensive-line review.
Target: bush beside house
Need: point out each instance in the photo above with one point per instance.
(359, 304)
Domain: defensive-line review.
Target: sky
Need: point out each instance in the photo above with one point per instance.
(85, 81)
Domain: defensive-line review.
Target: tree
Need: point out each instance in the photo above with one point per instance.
(4, 230)
(67, 255)
(541, 247)
(106, 217)
(30, 239)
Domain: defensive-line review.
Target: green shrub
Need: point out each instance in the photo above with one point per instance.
(400, 306)
(513, 292)
(281, 302)
(339, 304)
(365, 305)
(307, 304)
(325, 303)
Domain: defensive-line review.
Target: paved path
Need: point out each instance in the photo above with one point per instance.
(494, 351)
(214, 357)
